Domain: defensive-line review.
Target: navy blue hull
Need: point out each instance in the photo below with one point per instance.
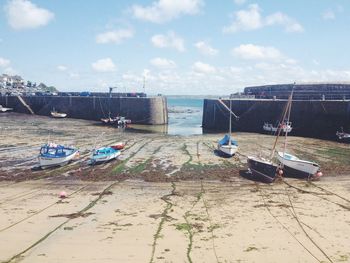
(293, 173)
(262, 171)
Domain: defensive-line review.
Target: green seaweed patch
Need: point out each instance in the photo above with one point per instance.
(183, 227)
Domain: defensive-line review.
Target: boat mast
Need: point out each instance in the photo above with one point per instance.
(289, 110)
(229, 142)
(109, 102)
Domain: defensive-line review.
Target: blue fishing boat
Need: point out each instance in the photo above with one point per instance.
(52, 154)
(104, 154)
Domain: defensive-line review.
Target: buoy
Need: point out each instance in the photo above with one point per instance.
(63, 194)
(280, 171)
(319, 174)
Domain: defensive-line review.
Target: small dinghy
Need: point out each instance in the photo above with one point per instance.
(3, 109)
(56, 155)
(118, 146)
(104, 154)
(56, 114)
(285, 127)
(343, 136)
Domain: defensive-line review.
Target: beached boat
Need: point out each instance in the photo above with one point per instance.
(104, 154)
(285, 127)
(56, 114)
(343, 136)
(227, 146)
(297, 168)
(291, 165)
(262, 170)
(3, 109)
(118, 146)
(56, 155)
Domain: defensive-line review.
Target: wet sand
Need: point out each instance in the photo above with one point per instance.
(167, 199)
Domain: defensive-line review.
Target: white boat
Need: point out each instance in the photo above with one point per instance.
(293, 166)
(285, 127)
(104, 154)
(227, 146)
(56, 114)
(297, 168)
(3, 109)
(56, 155)
(343, 135)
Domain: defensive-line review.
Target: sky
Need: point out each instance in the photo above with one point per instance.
(178, 47)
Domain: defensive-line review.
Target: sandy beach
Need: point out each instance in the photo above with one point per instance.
(166, 199)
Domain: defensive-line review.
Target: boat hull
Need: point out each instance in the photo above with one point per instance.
(297, 168)
(46, 162)
(96, 159)
(227, 150)
(261, 170)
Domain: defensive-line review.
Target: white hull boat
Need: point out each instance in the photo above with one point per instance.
(297, 168)
(228, 150)
(52, 155)
(3, 109)
(56, 114)
(285, 128)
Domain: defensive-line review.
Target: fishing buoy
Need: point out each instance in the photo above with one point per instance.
(63, 194)
(280, 172)
(319, 174)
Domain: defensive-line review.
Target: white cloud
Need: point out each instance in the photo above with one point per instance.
(163, 63)
(254, 52)
(168, 41)
(116, 36)
(166, 10)
(201, 67)
(4, 62)
(23, 14)
(104, 65)
(61, 68)
(281, 19)
(205, 48)
(239, 2)
(251, 19)
(328, 15)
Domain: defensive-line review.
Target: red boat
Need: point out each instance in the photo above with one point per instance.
(118, 146)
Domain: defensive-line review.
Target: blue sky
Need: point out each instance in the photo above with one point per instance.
(178, 47)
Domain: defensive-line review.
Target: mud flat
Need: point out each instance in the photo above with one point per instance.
(167, 199)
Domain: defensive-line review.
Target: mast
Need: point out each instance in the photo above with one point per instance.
(109, 102)
(229, 142)
(289, 110)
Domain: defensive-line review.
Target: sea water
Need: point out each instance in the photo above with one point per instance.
(185, 115)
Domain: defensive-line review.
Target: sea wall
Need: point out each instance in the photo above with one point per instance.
(150, 110)
(313, 118)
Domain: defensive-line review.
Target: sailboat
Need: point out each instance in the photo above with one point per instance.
(263, 169)
(227, 146)
(293, 166)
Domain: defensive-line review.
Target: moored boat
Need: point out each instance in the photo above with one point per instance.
(262, 170)
(297, 168)
(118, 146)
(104, 154)
(3, 109)
(227, 146)
(285, 127)
(343, 136)
(56, 114)
(52, 155)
